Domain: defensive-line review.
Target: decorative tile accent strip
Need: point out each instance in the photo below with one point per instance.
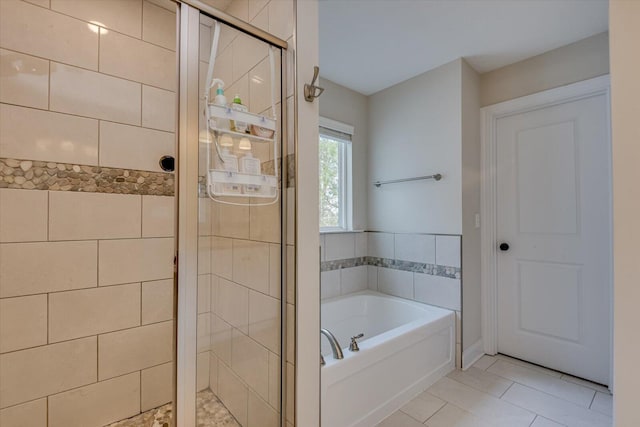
(395, 264)
(37, 175)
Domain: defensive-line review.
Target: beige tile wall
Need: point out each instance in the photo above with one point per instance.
(86, 279)
(240, 245)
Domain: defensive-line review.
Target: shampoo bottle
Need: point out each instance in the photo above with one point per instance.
(236, 125)
(250, 165)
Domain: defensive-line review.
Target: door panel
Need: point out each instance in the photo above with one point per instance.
(553, 209)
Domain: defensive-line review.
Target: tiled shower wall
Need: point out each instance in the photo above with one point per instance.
(87, 92)
(420, 267)
(239, 263)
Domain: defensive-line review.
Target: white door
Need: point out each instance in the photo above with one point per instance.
(554, 213)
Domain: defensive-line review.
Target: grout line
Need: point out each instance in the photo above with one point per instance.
(507, 389)
(592, 400)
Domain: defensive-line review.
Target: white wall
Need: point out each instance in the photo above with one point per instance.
(350, 107)
(625, 110)
(572, 63)
(414, 130)
(472, 307)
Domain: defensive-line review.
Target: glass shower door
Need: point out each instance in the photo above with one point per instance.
(239, 262)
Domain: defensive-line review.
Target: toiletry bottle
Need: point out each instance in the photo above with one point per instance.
(228, 162)
(221, 100)
(236, 125)
(250, 165)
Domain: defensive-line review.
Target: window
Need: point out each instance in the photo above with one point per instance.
(335, 175)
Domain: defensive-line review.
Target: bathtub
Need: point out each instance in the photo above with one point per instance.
(407, 346)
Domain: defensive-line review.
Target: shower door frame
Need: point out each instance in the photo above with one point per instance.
(187, 167)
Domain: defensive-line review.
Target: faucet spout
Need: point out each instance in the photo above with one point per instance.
(335, 345)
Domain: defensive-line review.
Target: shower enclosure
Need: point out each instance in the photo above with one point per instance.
(132, 294)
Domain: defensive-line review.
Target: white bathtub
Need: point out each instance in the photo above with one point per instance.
(407, 346)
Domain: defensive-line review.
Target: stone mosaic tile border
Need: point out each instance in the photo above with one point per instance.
(394, 264)
(38, 175)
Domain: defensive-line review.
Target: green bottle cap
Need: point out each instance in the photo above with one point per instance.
(237, 100)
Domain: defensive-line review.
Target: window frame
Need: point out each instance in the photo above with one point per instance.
(345, 177)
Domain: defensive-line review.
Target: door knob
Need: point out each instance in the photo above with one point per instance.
(504, 246)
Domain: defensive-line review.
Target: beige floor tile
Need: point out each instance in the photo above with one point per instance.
(481, 404)
(484, 362)
(543, 422)
(535, 379)
(554, 408)
(586, 383)
(423, 406)
(603, 403)
(531, 366)
(400, 419)
(481, 380)
(452, 416)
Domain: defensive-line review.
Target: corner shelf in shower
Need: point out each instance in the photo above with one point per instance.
(238, 184)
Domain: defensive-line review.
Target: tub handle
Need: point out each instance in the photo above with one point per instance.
(354, 344)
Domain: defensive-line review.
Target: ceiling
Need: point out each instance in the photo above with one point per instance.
(369, 45)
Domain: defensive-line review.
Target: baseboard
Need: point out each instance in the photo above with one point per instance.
(472, 354)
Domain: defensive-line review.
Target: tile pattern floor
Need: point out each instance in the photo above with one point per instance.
(210, 413)
(498, 391)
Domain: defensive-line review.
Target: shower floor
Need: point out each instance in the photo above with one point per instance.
(210, 412)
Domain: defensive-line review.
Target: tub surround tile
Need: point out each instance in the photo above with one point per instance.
(339, 246)
(353, 279)
(45, 33)
(437, 290)
(372, 277)
(28, 83)
(43, 371)
(27, 133)
(61, 266)
(30, 414)
(396, 282)
(416, 247)
(381, 245)
(330, 284)
(23, 215)
(362, 243)
(96, 404)
(41, 175)
(23, 322)
(448, 251)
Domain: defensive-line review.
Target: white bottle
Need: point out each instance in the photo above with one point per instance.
(228, 162)
(250, 165)
(221, 100)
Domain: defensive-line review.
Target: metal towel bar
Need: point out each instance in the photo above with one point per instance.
(436, 177)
